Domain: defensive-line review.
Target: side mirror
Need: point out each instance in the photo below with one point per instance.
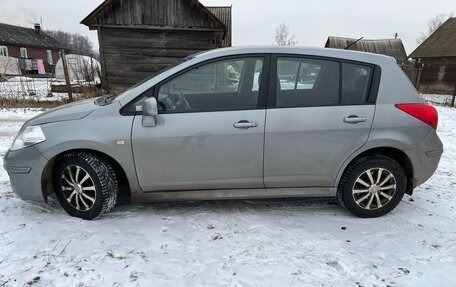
(150, 112)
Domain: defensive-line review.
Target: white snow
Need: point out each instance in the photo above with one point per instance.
(438, 99)
(25, 88)
(305, 242)
(36, 89)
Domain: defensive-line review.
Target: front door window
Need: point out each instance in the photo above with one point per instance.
(220, 86)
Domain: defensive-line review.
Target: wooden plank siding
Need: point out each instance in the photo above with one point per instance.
(437, 58)
(140, 37)
(131, 55)
(165, 13)
(389, 47)
(438, 74)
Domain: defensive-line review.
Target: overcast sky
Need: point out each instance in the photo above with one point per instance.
(254, 21)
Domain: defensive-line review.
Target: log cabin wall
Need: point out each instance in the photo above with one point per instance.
(131, 55)
(438, 74)
(436, 57)
(138, 38)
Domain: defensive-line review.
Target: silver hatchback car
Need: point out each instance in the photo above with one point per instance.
(258, 122)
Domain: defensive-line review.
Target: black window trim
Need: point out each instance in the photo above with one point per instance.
(263, 86)
(374, 81)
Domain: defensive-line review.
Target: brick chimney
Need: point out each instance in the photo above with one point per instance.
(38, 28)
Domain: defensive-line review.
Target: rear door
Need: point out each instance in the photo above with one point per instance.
(320, 112)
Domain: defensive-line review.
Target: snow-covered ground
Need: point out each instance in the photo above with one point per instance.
(36, 89)
(305, 242)
(438, 99)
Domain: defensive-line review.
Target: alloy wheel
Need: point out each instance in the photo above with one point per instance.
(78, 188)
(374, 188)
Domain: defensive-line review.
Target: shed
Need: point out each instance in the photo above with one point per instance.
(224, 15)
(389, 47)
(28, 45)
(138, 38)
(437, 58)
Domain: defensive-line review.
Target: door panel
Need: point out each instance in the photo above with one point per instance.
(200, 151)
(319, 116)
(305, 147)
(210, 128)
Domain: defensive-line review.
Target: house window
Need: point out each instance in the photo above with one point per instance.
(24, 53)
(49, 57)
(4, 51)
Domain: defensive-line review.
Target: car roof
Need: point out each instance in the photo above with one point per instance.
(306, 51)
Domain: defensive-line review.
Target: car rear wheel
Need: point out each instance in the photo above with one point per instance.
(85, 185)
(372, 186)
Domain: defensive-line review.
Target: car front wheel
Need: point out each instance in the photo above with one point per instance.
(372, 186)
(85, 185)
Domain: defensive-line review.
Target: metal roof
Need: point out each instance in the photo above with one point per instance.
(442, 43)
(389, 47)
(21, 36)
(223, 13)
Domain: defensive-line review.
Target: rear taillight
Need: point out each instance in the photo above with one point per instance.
(423, 112)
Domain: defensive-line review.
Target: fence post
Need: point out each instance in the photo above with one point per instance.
(67, 75)
(454, 96)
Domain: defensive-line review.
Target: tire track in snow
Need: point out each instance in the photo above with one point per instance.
(428, 212)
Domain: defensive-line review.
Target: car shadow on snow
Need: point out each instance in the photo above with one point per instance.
(306, 205)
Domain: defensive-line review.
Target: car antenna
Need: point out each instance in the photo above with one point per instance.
(346, 48)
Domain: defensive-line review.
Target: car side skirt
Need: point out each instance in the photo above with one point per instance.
(170, 196)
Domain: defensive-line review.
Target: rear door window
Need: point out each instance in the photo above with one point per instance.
(307, 82)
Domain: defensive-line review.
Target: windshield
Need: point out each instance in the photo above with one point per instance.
(154, 75)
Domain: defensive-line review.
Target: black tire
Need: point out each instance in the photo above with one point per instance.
(101, 195)
(349, 184)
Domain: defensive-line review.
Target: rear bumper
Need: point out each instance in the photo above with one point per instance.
(25, 168)
(425, 158)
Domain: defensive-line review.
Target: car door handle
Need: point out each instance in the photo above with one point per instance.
(245, 125)
(355, 120)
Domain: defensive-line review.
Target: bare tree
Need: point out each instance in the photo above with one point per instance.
(433, 25)
(282, 36)
(77, 43)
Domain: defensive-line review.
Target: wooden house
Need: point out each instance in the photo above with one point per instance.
(29, 45)
(138, 38)
(389, 47)
(437, 58)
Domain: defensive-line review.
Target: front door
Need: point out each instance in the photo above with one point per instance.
(210, 129)
(319, 115)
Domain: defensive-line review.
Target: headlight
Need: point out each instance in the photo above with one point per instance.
(28, 137)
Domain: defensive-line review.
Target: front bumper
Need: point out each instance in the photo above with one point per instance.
(25, 168)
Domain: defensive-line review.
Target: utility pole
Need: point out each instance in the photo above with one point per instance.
(396, 35)
(67, 75)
